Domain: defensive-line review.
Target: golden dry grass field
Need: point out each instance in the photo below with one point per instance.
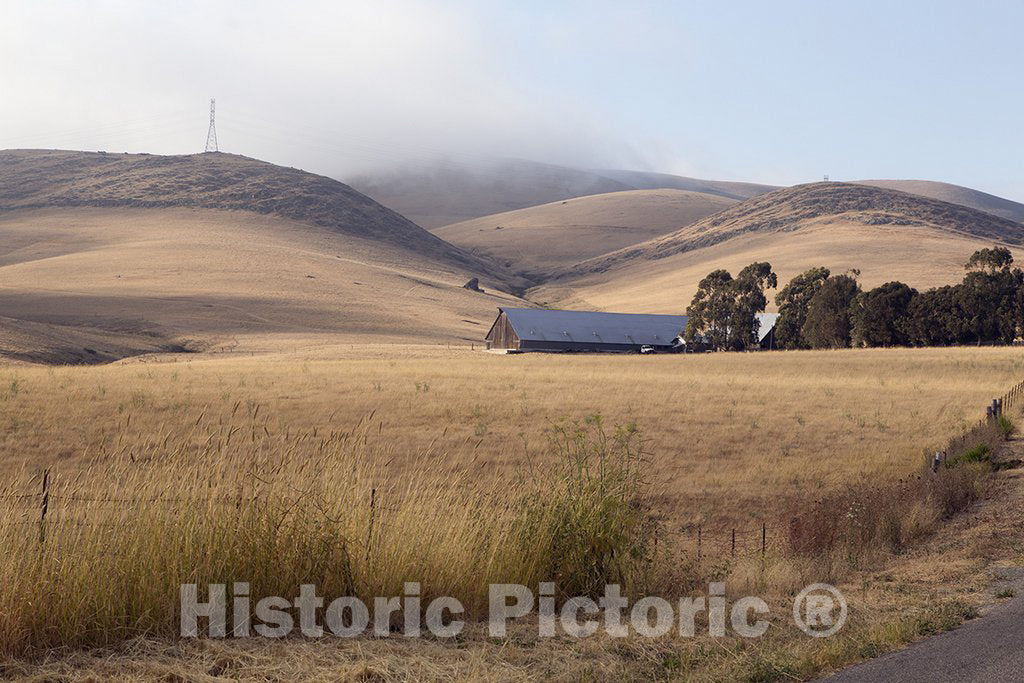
(442, 434)
(731, 437)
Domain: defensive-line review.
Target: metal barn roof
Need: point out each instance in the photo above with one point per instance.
(584, 327)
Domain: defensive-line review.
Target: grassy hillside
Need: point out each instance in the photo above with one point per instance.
(103, 256)
(885, 233)
(956, 194)
(646, 180)
(453, 192)
(445, 193)
(551, 236)
(31, 179)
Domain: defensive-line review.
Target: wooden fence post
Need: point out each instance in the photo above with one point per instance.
(734, 542)
(45, 505)
(764, 537)
(698, 544)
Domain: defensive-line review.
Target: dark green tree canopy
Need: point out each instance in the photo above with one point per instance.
(709, 312)
(988, 296)
(820, 310)
(988, 300)
(881, 317)
(793, 301)
(936, 319)
(723, 313)
(829, 324)
(991, 260)
(750, 300)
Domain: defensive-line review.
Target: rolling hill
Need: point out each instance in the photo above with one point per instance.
(435, 195)
(549, 237)
(956, 194)
(644, 180)
(440, 194)
(104, 256)
(887, 234)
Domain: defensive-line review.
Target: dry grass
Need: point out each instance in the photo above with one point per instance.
(887, 235)
(549, 237)
(879, 251)
(285, 454)
(219, 503)
(93, 285)
(732, 437)
(1004, 208)
(932, 587)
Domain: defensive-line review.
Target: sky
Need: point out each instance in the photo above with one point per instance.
(777, 92)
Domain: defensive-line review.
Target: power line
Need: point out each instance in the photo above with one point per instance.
(211, 135)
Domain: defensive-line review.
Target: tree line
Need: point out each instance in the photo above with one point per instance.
(819, 310)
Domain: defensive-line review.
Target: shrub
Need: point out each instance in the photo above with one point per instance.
(587, 517)
(860, 520)
(1005, 426)
(979, 453)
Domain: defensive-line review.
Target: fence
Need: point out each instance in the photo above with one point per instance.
(711, 543)
(983, 431)
(707, 544)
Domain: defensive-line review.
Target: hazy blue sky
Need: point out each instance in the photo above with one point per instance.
(778, 92)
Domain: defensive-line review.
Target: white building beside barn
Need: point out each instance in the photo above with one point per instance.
(541, 329)
(766, 333)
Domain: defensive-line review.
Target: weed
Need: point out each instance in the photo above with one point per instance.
(1005, 426)
(944, 617)
(979, 453)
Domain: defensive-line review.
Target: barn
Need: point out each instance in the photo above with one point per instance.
(540, 329)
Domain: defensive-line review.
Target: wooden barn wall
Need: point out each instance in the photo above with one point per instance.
(502, 335)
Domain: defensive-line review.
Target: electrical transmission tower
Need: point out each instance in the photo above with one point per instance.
(211, 136)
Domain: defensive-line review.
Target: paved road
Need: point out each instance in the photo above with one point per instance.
(988, 649)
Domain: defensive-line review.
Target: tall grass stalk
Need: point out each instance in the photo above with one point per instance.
(236, 503)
